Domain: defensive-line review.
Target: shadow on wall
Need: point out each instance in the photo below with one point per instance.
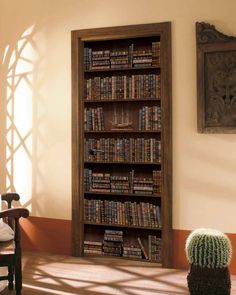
(22, 117)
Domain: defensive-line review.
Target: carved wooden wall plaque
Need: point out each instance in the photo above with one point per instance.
(216, 80)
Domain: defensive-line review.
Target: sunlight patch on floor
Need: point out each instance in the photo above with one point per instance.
(48, 290)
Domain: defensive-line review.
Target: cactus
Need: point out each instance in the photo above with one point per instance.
(208, 248)
(209, 253)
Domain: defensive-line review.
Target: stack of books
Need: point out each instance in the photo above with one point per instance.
(100, 60)
(100, 182)
(132, 251)
(119, 59)
(142, 58)
(92, 247)
(120, 184)
(113, 242)
(143, 185)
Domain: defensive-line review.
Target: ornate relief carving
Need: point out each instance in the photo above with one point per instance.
(216, 75)
(207, 33)
(221, 89)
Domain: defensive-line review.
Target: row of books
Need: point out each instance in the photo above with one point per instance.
(122, 58)
(156, 53)
(113, 244)
(122, 150)
(154, 248)
(123, 87)
(129, 184)
(93, 119)
(149, 118)
(128, 213)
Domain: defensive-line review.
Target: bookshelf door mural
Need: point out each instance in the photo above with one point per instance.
(125, 172)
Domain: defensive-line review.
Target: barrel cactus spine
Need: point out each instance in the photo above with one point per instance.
(208, 248)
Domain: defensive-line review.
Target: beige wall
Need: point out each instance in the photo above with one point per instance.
(37, 33)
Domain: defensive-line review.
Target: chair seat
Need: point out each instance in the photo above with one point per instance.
(7, 248)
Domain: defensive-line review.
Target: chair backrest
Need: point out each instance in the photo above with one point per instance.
(12, 215)
(9, 198)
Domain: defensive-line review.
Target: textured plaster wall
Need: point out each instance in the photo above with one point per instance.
(204, 165)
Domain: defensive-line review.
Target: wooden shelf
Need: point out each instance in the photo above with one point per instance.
(123, 131)
(122, 163)
(121, 100)
(122, 226)
(123, 69)
(144, 45)
(122, 194)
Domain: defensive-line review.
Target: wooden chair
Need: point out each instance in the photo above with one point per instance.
(10, 251)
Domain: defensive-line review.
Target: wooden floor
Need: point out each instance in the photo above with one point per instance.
(64, 275)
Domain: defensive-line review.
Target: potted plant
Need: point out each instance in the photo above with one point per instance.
(209, 253)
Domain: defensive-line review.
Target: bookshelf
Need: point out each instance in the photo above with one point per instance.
(122, 142)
